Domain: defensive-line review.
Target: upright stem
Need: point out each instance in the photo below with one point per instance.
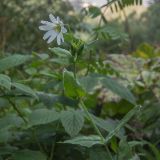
(74, 69)
(96, 128)
(18, 111)
(92, 121)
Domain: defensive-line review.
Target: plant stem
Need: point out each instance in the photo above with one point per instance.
(92, 121)
(18, 111)
(74, 69)
(96, 128)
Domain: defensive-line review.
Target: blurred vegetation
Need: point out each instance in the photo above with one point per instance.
(117, 69)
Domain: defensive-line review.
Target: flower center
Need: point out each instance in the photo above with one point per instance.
(57, 28)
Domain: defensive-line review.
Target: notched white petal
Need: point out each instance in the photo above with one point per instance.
(64, 30)
(52, 36)
(52, 18)
(59, 39)
(47, 35)
(47, 23)
(45, 28)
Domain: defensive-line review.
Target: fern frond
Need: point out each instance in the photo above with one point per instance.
(120, 4)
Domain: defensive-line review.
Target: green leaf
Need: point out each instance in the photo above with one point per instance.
(89, 83)
(12, 61)
(61, 52)
(93, 80)
(25, 89)
(10, 120)
(5, 81)
(61, 61)
(124, 150)
(29, 155)
(4, 135)
(86, 141)
(117, 88)
(72, 87)
(43, 116)
(94, 11)
(125, 119)
(52, 99)
(72, 121)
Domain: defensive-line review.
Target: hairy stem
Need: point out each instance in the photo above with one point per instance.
(92, 121)
(96, 128)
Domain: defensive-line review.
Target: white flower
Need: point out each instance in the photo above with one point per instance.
(55, 29)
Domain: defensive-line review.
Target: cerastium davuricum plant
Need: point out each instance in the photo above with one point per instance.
(74, 89)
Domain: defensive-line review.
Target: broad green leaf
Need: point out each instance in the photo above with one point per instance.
(10, 120)
(124, 150)
(61, 52)
(5, 81)
(48, 99)
(93, 80)
(51, 99)
(72, 121)
(12, 61)
(25, 89)
(42, 56)
(72, 87)
(86, 141)
(61, 61)
(124, 120)
(29, 155)
(89, 83)
(4, 135)
(43, 116)
(117, 88)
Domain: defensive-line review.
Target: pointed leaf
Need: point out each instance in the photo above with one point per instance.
(43, 116)
(72, 121)
(25, 89)
(5, 81)
(93, 80)
(117, 88)
(124, 120)
(61, 52)
(108, 125)
(72, 87)
(12, 61)
(86, 141)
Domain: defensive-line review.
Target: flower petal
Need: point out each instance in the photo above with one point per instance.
(48, 34)
(47, 23)
(45, 27)
(64, 30)
(52, 18)
(60, 38)
(52, 36)
(58, 19)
